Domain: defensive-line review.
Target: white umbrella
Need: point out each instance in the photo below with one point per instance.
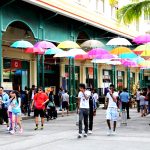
(113, 62)
(118, 41)
(74, 52)
(61, 54)
(100, 61)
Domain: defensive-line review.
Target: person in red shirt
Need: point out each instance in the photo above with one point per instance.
(39, 101)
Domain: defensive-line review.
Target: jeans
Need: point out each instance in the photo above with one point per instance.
(125, 105)
(91, 115)
(83, 115)
(138, 105)
(29, 107)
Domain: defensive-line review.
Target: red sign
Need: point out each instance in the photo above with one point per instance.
(90, 71)
(16, 64)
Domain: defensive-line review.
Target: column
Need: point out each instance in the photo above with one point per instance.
(114, 77)
(128, 79)
(95, 75)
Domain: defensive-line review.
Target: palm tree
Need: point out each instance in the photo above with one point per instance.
(132, 12)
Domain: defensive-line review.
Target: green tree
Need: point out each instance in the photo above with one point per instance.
(132, 12)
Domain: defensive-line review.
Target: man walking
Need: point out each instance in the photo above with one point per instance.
(83, 96)
(124, 97)
(112, 113)
(39, 101)
(4, 101)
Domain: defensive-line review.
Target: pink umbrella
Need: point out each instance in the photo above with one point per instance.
(142, 39)
(97, 52)
(129, 63)
(44, 45)
(35, 50)
(81, 57)
(105, 56)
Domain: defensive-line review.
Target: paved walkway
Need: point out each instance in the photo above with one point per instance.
(61, 134)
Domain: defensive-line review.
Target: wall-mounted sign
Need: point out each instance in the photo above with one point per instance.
(7, 86)
(16, 64)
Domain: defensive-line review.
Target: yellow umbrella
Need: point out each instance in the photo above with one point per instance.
(145, 63)
(139, 49)
(68, 45)
(120, 50)
(146, 54)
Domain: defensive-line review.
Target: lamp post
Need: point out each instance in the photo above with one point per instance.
(128, 79)
(95, 75)
(114, 75)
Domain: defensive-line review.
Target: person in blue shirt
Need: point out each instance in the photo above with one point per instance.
(4, 100)
(125, 97)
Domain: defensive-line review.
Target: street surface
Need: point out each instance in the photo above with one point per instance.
(61, 134)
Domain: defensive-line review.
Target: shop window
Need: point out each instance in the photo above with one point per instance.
(107, 76)
(89, 77)
(120, 80)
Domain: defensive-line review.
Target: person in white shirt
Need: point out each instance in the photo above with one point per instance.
(83, 97)
(112, 113)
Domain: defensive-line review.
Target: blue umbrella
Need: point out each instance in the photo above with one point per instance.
(21, 44)
(128, 56)
(53, 51)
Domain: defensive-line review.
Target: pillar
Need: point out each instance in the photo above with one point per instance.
(128, 79)
(114, 77)
(95, 75)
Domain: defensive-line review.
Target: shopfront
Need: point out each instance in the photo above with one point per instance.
(120, 80)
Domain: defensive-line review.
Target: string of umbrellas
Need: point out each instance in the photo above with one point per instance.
(95, 51)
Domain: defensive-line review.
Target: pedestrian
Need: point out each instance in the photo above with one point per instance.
(137, 99)
(61, 91)
(51, 108)
(65, 102)
(31, 94)
(147, 98)
(124, 97)
(39, 101)
(142, 104)
(83, 96)
(95, 97)
(112, 113)
(4, 100)
(92, 109)
(16, 111)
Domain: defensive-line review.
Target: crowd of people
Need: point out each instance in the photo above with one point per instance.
(12, 105)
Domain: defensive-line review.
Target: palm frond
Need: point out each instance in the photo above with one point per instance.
(132, 12)
(113, 2)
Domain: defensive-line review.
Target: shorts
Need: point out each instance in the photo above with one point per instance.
(38, 112)
(65, 105)
(112, 114)
(142, 107)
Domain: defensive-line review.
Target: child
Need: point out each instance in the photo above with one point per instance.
(16, 111)
(142, 104)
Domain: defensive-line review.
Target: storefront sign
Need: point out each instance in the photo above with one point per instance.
(16, 64)
(7, 86)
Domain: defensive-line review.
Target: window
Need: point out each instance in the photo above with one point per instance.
(100, 6)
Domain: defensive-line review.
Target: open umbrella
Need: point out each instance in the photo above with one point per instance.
(120, 50)
(138, 59)
(115, 62)
(35, 50)
(139, 49)
(96, 52)
(81, 57)
(128, 56)
(74, 52)
(129, 63)
(61, 54)
(145, 63)
(53, 51)
(100, 61)
(146, 54)
(68, 45)
(142, 39)
(118, 41)
(44, 45)
(21, 44)
(92, 44)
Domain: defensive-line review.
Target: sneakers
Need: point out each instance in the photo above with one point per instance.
(12, 132)
(90, 131)
(85, 134)
(36, 128)
(109, 132)
(114, 133)
(79, 136)
(42, 127)
(21, 130)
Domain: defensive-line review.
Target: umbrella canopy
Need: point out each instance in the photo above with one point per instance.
(139, 49)
(118, 41)
(44, 45)
(21, 44)
(96, 52)
(115, 62)
(68, 45)
(145, 63)
(142, 39)
(53, 51)
(138, 59)
(120, 50)
(105, 56)
(129, 63)
(128, 56)
(100, 61)
(92, 44)
(74, 52)
(61, 54)
(35, 50)
(81, 57)
(146, 54)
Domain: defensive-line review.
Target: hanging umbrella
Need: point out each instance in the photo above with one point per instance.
(81, 57)
(128, 56)
(68, 45)
(100, 61)
(104, 56)
(35, 50)
(139, 49)
(115, 62)
(92, 44)
(146, 54)
(138, 59)
(129, 63)
(61, 54)
(53, 51)
(145, 63)
(118, 41)
(21, 44)
(120, 50)
(96, 52)
(74, 52)
(44, 45)
(142, 39)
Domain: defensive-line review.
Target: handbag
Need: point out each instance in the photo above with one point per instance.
(51, 104)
